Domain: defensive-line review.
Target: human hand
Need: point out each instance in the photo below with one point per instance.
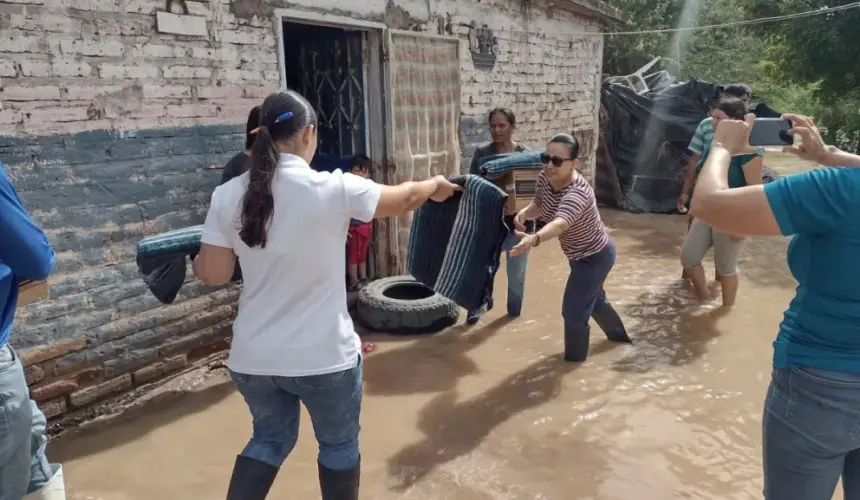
(682, 203)
(444, 189)
(520, 220)
(382, 223)
(527, 241)
(812, 147)
(734, 135)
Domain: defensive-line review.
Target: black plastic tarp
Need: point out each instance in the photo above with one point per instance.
(644, 137)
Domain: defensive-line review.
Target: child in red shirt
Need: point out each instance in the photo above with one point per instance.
(358, 237)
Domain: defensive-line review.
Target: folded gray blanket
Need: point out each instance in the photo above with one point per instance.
(498, 165)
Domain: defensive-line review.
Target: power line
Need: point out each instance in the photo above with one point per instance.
(747, 22)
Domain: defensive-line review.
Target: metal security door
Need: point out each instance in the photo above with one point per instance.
(332, 63)
(422, 129)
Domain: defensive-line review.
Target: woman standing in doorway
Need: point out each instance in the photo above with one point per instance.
(811, 421)
(293, 339)
(745, 170)
(566, 202)
(503, 123)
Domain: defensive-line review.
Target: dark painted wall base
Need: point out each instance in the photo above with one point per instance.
(96, 194)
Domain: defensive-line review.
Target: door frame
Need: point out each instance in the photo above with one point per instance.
(374, 121)
(375, 96)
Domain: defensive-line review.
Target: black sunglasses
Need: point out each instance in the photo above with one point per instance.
(556, 161)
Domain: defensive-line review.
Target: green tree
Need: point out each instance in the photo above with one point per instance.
(812, 49)
(814, 64)
(722, 55)
(807, 65)
(625, 54)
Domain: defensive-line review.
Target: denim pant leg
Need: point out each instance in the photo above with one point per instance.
(333, 401)
(604, 314)
(810, 429)
(15, 425)
(585, 286)
(41, 471)
(516, 269)
(275, 413)
(23, 466)
(851, 475)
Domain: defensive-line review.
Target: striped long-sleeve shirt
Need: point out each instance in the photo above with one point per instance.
(577, 205)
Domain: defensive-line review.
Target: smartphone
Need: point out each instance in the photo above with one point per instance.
(771, 132)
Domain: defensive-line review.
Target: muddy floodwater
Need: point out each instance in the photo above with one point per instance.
(492, 412)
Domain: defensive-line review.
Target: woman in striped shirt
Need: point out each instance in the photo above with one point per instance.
(566, 202)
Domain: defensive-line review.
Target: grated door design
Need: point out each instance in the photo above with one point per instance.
(332, 66)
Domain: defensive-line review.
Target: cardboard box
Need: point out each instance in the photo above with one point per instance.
(31, 291)
(520, 186)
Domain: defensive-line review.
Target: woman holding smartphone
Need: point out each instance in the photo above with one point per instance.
(811, 424)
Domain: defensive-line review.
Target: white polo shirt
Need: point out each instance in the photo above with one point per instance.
(293, 319)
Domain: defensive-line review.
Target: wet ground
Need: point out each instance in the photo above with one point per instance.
(492, 412)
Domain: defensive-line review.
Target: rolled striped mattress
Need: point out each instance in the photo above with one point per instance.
(454, 246)
(498, 165)
(161, 260)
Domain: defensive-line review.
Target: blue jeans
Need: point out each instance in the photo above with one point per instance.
(516, 269)
(584, 297)
(811, 434)
(333, 401)
(23, 465)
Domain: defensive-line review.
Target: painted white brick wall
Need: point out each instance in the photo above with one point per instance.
(546, 71)
(72, 65)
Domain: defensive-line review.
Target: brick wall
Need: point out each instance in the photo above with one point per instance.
(550, 81)
(96, 193)
(109, 130)
(73, 65)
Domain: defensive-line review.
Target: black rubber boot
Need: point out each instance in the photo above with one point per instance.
(251, 479)
(576, 343)
(339, 484)
(610, 322)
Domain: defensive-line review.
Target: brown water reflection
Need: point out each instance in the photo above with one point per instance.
(491, 412)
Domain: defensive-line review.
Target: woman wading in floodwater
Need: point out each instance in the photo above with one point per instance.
(811, 421)
(566, 202)
(745, 170)
(293, 340)
(503, 122)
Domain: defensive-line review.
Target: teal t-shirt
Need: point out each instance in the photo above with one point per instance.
(736, 167)
(820, 209)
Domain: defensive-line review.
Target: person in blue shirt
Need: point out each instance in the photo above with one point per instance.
(812, 411)
(25, 253)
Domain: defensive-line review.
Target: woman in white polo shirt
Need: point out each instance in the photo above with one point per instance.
(293, 339)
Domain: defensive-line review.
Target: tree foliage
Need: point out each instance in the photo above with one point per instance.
(812, 49)
(807, 65)
(718, 55)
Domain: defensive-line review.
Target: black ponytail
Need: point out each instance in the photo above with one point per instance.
(282, 116)
(258, 204)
